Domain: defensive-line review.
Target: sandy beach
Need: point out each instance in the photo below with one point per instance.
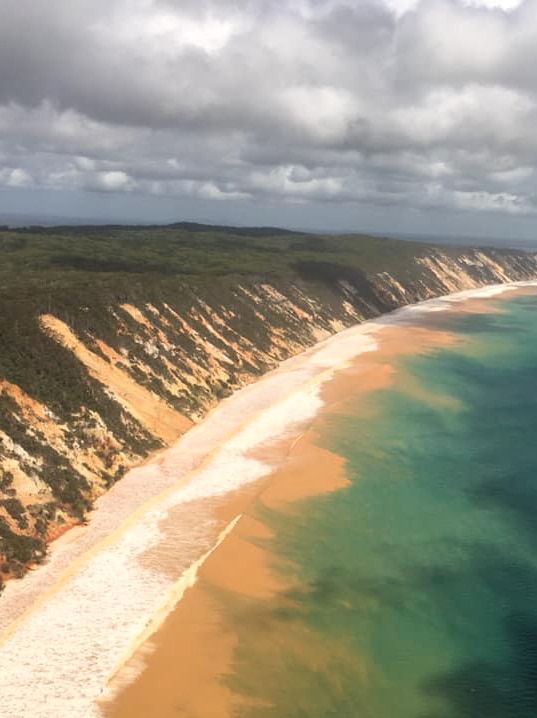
(167, 543)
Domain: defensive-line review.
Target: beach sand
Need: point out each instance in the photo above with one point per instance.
(191, 657)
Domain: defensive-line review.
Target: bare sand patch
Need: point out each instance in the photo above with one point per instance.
(147, 408)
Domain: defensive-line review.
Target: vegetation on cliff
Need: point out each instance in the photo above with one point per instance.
(113, 339)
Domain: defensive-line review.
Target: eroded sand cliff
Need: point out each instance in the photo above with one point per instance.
(162, 365)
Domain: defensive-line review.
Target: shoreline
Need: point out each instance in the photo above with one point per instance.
(298, 379)
(242, 566)
(486, 291)
(134, 693)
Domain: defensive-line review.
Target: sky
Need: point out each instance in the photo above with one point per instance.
(366, 115)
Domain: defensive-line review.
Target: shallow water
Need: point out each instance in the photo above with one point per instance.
(414, 589)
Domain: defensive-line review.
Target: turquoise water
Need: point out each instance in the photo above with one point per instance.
(415, 588)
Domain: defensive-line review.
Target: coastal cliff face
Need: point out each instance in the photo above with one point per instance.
(100, 385)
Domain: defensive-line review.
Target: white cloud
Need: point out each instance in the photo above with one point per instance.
(506, 5)
(487, 201)
(112, 181)
(17, 178)
(324, 113)
(402, 6)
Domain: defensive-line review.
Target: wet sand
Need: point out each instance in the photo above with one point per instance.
(190, 659)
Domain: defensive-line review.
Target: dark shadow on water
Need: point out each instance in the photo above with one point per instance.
(514, 494)
(504, 686)
(493, 690)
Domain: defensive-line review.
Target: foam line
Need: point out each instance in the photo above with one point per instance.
(123, 674)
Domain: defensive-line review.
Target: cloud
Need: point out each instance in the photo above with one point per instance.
(429, 104)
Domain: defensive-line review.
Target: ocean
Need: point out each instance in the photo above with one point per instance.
(412, 592)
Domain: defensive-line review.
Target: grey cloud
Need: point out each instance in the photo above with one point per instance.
(296, 101)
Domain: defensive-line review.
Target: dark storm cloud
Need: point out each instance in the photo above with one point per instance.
(292, 101)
